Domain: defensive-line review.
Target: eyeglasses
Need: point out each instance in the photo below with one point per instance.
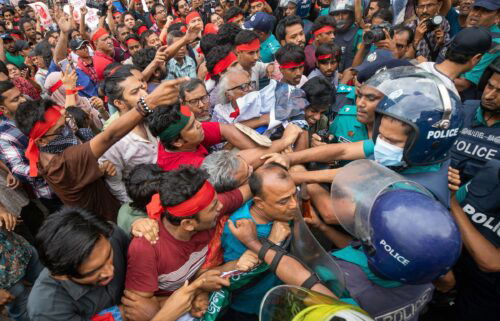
(244, 87)
(196, 102)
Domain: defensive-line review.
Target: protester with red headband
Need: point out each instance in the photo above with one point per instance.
(327, 61)
(234, 15)
(248, 53)
(291, 59)
(187, 209)
(104, 53)
(70, 167)
(323, 32)
(133, 45)
(259, 6)
(184, 140)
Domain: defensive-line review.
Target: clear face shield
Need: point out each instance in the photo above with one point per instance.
(355, 189)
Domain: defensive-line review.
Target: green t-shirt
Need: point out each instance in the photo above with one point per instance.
(479, 118)
(17, 60)
(346, 128)
(475, 74)
(127, 215)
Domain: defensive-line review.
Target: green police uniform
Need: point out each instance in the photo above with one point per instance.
(345, 95)
(346, 128)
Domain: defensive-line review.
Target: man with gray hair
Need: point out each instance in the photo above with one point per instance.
(181, 65)
(194, 95)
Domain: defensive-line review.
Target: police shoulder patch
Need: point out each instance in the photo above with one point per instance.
(348, 110)
(344, 89)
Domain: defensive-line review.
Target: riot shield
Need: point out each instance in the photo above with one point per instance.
(293, 303)
(308, 250)
(356, 187)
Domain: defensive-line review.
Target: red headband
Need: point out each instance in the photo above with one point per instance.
(324, 57)
(99, 33)
(210, 28)
(51, 116)
(131, 40)
(252, 1)
(117, 14)
(323, 30)
(55, 86)
(250, 46)
(289, 65)
(190, 207)
(191, 16)
(235, 17)
(141, 29)
(223, 64)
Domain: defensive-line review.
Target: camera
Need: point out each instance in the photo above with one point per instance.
(377, 33)
(102, 7)
(433, 23)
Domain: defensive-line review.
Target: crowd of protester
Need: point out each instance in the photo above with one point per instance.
(157, 166)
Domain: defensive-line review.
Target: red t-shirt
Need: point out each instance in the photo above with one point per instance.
(101, 61)
(168, 160)
(163, 267)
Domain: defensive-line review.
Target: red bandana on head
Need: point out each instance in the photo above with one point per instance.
(222, 65)
(198, 202)
(250, 46)
(191, 16)
(32, 153)
(323, 30)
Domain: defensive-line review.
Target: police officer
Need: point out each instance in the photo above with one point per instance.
(347, 35)
(477, 212)
(416, 123)
(354, 123)
(479, 139)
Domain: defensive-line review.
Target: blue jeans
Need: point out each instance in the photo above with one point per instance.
(17, 309)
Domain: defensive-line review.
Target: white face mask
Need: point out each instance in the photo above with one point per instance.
(387, 154)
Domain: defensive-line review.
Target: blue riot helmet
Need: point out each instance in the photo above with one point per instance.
(406, 235)
(414, 238)
(422, 101)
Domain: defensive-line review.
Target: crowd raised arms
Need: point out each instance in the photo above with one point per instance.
(221, 160)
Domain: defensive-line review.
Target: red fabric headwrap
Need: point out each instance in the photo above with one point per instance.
(141, 29)
(252, 1)
(323, 57)
(223, 64)
(289, 65)
(32, 153)
(191, 16)
(190, 207)
(210, 28)
(99, 33)
(131, 40)
(323, 30)
(235, 17)
(250, 46)
(117, 14)
(55, 86)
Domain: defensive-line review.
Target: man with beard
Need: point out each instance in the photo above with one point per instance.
(28, 28)
(478, 141)
(139, 146)
(291, 30)
(347, 35)
(69, 166)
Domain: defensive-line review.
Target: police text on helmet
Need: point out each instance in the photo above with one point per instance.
(401, 259)
(442, 133)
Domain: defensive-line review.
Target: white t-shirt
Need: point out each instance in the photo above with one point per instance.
(430, 67)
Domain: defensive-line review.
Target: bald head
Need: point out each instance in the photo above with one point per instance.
(267, 175)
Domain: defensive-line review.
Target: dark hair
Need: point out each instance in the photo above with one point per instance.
(24, 20)
(142, 183)
(48, 34)
(81, 118)
(176, 26)
(227, 33)
(215, 55)
(29, 112)
(67, 238)
(180, 185)
(144, 38)
(327, 49)
(208, 42)
(6, 84)
(156, 5)
(189, 86)
(245, 36)
(284, 23)
(176, 4)
(255, 180)
(174, 34)
(132, 36)
(382, 4)
(384, 14)
(457, 57)
(3, 68)
(8, 9)
(113, 79)
(142, 58)
(232, 12)
(290, 53)
(319, 92)
(323, 21)
(402, 28)
(160, 119)
(120, 25)
(129, 13)
(44, 48)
